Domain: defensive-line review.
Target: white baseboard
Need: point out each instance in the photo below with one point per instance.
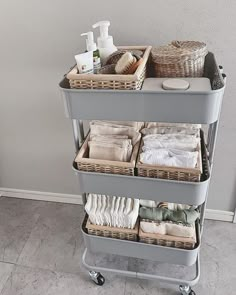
(77, 199)
(41, 196)
(219, 215)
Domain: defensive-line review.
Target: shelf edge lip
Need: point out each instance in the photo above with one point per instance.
(145, 244)
(125, 92)
(140, 177)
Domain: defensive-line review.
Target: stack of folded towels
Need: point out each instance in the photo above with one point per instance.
(112, 211)
(173, 145)
(168, 219)
(112, 140)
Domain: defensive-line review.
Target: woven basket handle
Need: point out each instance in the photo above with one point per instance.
(176, 43)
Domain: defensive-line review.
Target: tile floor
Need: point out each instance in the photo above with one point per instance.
(41, 247)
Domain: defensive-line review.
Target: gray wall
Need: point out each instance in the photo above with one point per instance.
(38, 42)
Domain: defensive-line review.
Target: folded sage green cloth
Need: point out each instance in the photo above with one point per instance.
(187, 216)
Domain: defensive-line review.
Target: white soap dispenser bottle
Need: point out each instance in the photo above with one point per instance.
(91, 46)
(104, 41)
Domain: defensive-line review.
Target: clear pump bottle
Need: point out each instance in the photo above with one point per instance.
(104, 41)
(91, 46)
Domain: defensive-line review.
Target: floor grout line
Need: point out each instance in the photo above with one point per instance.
(9, 277)
(36, 222)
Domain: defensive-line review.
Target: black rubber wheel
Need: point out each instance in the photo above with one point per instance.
(192, 293)
(100, 280)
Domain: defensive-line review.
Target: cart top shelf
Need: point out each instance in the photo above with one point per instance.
(139, 105)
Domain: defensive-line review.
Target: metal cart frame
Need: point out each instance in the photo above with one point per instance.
(200, 107)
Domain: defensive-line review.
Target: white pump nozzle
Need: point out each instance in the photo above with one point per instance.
(103, 28)
(90, 44)
(104, 40)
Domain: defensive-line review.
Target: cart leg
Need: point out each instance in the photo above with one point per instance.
(186, 290)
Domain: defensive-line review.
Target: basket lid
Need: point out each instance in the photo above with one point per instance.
(179, 51)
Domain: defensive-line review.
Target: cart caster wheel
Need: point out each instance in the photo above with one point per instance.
(186, 290)
(97, 278)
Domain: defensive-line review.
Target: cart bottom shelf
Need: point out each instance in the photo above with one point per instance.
(97, 244)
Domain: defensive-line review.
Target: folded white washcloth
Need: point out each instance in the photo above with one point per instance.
(148, 203)
(97, 129)
(112, 211)
(172, 141)
(116, 212)
(169, 157)
(175, 206)
(136, 125)
(111, 151)
(93, 208)
(179, 125)
(167, 228)
(99, 219)
(171, 130)
(133, 215)
(107, 213)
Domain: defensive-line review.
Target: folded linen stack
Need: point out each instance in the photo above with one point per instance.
(173, 145)
(112, 211)
(113, 141)
(168, 219)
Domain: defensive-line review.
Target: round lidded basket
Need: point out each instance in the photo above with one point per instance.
(179, 59)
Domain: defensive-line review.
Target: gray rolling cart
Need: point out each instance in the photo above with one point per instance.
(201, 107)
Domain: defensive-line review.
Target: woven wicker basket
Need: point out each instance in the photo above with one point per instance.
(115, 81)
(113, 232)
(179, 59)
(84, 163)
(171, 173)
(167, 240)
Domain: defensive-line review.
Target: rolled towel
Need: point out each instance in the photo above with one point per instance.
(163, 214)
(168, 228)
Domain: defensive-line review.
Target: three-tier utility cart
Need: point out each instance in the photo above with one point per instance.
(138, 105)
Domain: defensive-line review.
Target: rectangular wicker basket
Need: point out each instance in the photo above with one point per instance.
(170, 173)
(84, 163)
(167, 240)
(113, 232)
(108, 81)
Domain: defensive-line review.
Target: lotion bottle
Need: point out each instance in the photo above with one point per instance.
(104, 41)
(91, 46)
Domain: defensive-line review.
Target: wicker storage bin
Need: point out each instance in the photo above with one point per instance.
(84, 163)
(113, 232)
(167, 240)
(115, 81)
(179, 59)
(171, 173)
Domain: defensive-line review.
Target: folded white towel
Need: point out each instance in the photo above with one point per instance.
(174, 206)
(180, 125)
(169, 157)
(110, 151)
(136, 125)
(171, 141)
(112, 211)
(93, 208)
(167, 228)
(133, 215)
(171, 130)
(97, 129)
